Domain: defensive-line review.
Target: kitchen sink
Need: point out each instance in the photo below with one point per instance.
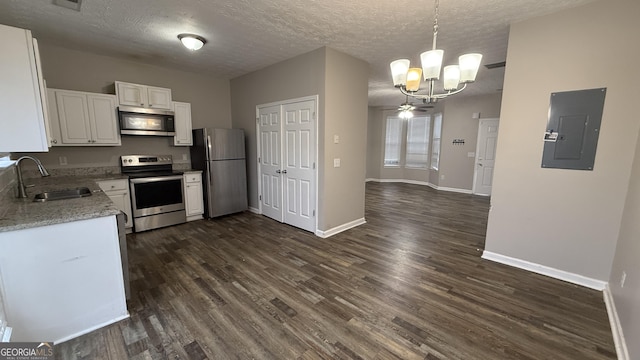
(63, 194)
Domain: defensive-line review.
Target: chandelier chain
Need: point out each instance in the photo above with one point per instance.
(435, 24)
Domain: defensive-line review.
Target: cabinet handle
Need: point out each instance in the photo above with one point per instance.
(141, 104)
(88, 141)
(54, 141)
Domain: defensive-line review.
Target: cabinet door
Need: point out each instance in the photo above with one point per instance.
(182, 121)
(194, 202)
(159, 98)
(104, 123)
(123, 203)
(118, 192)
(54, 120)
(20, 95)
(73, 114)
(131, 94)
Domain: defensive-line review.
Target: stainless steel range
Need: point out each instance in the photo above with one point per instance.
(157, 197)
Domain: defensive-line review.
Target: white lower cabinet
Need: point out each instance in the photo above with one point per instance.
(63, 280)
(118, 192)
(82, 119)
(194, 201)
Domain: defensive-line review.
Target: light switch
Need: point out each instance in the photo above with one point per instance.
(336, 162)
(336, 139)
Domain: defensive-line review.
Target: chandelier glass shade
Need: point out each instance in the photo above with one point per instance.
(408, 79)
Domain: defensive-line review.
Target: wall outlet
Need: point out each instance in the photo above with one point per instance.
(623, 278)
(336, 162)
(184, 157)
(442, 177)
(62, 160)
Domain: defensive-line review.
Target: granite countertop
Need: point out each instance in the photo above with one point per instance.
(17, 214)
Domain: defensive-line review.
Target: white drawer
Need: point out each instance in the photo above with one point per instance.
(192, 177)
(113, 185)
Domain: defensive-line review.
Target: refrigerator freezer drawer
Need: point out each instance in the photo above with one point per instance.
(227, 187)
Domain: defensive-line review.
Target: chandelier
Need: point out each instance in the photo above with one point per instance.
(407, 79)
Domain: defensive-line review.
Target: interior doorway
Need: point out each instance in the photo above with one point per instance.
(485, 156)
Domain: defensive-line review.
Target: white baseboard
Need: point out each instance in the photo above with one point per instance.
(417, 182)
(616, 327)
(93, 328)
(254, 210)
(545, 270)
(341, 228)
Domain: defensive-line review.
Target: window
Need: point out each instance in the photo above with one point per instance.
(393, 142)
(418, 142)
(435, 143)
(414, 146)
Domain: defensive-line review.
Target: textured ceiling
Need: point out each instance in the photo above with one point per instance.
(247, 35)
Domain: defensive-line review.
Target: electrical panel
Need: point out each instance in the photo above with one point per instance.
(571, 138)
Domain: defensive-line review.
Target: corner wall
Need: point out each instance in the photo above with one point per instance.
(627, 261)
(342, 190)
(566, 220)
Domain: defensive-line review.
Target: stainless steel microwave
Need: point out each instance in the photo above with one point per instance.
(143, 121)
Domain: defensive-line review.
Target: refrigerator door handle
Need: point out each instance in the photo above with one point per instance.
(208, 150)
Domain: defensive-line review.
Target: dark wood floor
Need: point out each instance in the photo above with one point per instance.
(409, 284)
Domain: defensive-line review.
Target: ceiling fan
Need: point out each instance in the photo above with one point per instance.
(406, 109)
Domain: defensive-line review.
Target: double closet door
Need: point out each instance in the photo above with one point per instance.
(287, 161)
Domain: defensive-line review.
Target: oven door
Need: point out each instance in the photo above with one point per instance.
(156, 195)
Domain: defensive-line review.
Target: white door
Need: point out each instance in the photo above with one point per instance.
(485, 156)
(287, 146)
(269, 128)
(298, 141)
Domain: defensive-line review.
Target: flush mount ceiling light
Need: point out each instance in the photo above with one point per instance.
(192, 42)
(407, 79)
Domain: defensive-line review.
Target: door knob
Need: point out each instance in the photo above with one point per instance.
(479, 164)
(278, 171)
(284, 171)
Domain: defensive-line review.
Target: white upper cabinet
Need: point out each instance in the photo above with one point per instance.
(83, 119)
(23, 120)
(182, 121)
(143, 96)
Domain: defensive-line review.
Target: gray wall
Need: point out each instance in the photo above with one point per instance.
(77, 70)
(457, 123)
(343, 189)
(300, 76)
(627, 298)
(341, 83)
(566, 219)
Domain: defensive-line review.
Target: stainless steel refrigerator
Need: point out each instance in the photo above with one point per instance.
(219, 153)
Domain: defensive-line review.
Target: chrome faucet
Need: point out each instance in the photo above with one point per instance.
(22, 188)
